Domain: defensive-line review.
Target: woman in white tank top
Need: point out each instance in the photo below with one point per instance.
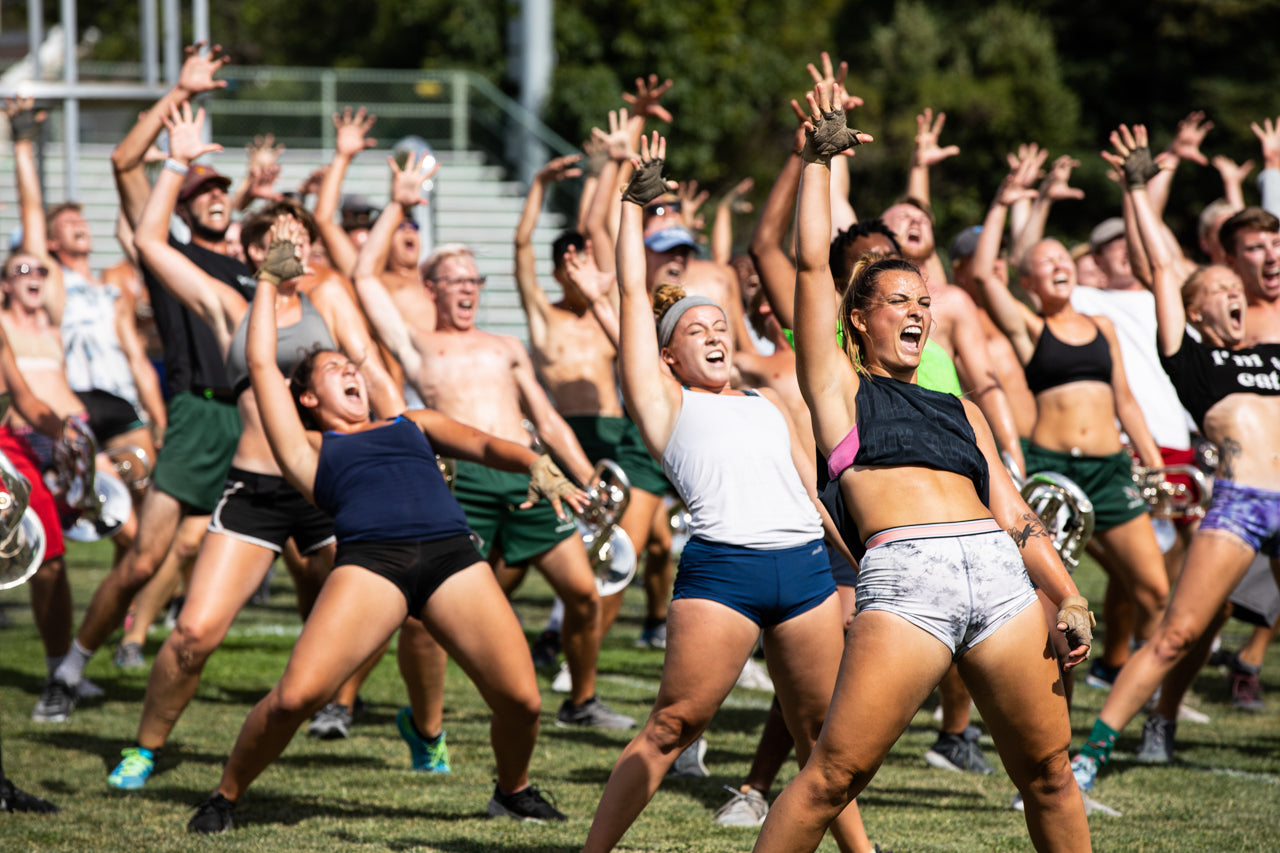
(756, 558)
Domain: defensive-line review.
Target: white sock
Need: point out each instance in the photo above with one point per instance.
(71, 669)
(556, 620)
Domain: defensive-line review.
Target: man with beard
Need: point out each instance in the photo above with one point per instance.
(203, 422)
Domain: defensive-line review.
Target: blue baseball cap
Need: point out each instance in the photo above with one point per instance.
(670, 238)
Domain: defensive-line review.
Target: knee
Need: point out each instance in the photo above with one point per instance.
(519, 708)
(138, 566)
(672, 728)
(831, 784)
(192, 643)
(51, 571)
(1173, 639)
(583, 603)
(1048, 778)
(292, 700)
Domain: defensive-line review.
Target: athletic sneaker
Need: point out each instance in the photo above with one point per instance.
(563, 682)
(14, 799)
(592, 714)
(653, 637)
(527, 805)
(546, 650)
(1085, 769)
(689, 762)
(423, 754)
(86, 690)
(134, 771)
(332, 722)
(960, 753)
(1246, 691)
(55, 703)
(748, 807)
(1101, 676)
(1157, 741)
(754, 677)
(212, 817)
(129, 656)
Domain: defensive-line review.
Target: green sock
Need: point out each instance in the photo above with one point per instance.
(1101, 741)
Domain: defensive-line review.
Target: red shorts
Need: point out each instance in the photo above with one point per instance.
(1180, 457)
(22, 457)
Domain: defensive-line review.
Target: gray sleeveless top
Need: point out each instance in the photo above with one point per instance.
(293, 344)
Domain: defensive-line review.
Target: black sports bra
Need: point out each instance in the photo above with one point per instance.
(1056, 363)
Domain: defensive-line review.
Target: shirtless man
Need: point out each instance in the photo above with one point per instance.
(574, 360)
(1251, 240)
(487, 381)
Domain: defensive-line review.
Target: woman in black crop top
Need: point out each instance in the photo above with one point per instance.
(1219, 382)
(931, 540)
(1073, 365)
(426, 568)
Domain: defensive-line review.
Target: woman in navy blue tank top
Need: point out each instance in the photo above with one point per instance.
(940, 581)
(1074, 368)
(403, 550)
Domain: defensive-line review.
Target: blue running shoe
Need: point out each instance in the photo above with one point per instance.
(1085, 769)
(133, 772)
(424, 755)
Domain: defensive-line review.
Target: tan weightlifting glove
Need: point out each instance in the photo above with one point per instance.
(547, 481)
(1074, 610)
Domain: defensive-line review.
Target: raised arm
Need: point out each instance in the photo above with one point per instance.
(24, 126)
(261, 174)
(1013, 318)
(128, 158)
(209, 299)
(602, 216)
(827, 379)
(652, 397)
(1171, 319)
(722, 225)
(533, 299)
(1185, 146)
(1268, 134)
(385, 318)
(927, 153)
(351, 138)
(773, 264)
(289, 441)
(598, 287)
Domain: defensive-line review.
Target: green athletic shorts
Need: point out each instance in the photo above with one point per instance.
(198, 446)
(490, 499)
(619, 439)
(1107, 480)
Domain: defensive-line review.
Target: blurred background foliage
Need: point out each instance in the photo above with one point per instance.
(1059, 72)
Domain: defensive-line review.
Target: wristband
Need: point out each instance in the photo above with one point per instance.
(174, 166)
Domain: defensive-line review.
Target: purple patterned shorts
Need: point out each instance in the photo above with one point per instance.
(1252, 514)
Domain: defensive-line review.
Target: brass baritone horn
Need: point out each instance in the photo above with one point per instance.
(1171, 500)
(612, 554)
(132, 465)
(94, 505)
(22, 539)
(1065, 511)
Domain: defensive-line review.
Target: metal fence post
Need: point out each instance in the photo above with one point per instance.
(460, 131)
(328, 107)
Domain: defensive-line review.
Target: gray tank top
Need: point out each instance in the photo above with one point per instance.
(293, 344)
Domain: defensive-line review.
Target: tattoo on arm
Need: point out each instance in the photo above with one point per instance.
(1027, 528)
(1229, 451)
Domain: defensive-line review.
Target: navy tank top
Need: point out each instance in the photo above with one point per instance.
(903, 425)
(383, 485)
(1055, 363)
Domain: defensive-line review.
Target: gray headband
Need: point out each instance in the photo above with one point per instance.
(667, 325)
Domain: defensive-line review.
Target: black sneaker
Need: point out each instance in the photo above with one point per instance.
(56, 701)
(546, 650)
(332, 722)
(592, 714)
(526, 804)
(14, 799)
(212, 816)
(960, 753)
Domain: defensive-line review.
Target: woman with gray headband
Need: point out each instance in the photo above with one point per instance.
(755, 559)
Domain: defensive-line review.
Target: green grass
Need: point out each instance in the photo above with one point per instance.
(359, 794)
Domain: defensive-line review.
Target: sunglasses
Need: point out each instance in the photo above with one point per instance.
(28, 269)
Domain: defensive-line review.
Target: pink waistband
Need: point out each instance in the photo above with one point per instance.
(843, 454)
(933, 531)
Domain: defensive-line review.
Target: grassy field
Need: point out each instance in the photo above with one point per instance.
(359, 794)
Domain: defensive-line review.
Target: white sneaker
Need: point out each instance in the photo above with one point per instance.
(747, 808)
(755, 677)
(86, 689)
(689, 762)
(562, 683)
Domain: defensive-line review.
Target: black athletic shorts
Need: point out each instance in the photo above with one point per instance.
(109, 415)
(265, 510)
(417, 568)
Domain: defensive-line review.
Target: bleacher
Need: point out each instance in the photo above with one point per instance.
(474, 203)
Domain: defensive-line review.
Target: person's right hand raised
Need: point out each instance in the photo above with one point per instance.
(199, 67)
(353, 131)
(406, 184)
(24, 120)
(647, 182)
(826, 133)
(185, 144)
